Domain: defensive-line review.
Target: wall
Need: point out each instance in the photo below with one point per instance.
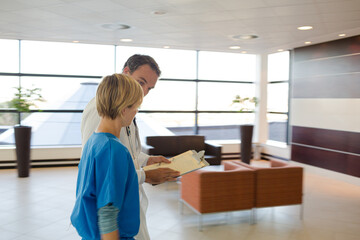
(325, 105)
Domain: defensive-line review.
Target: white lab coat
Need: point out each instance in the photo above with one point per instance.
(89, 122)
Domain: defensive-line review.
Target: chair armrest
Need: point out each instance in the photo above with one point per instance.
(214, 150)
(240, 163)
(230, 165)
(190, 189)
(278, 163)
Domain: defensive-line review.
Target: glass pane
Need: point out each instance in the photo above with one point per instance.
(50, 129)
(278, 66)
(178, 64)
(219, 96)
(7, 89)
(170, 95)
(277, 127)
(170, 120)
(67, 58)
(277, 98)
(63, 93)
(9, 56)
(216, 126)
(227, 66)
(7, 121)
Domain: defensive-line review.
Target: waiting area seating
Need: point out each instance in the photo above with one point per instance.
(280, 184)
(170, 146)
(241, 186)
(207, 191)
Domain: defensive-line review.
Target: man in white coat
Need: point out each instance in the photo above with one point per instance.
(146, 71)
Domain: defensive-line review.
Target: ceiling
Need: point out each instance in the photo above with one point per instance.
(186, 24)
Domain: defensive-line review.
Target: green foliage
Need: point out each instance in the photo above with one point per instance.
(25, 98)
(245, 104)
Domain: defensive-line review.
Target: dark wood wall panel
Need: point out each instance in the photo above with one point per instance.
(339, 162)
(328, 66)
(328, 70)
(329, 49)
(325, 138)
(337, 86)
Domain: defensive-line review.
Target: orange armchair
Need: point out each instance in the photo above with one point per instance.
(279, 185)
(207, 191)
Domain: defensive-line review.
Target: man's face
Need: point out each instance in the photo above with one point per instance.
(145, 76)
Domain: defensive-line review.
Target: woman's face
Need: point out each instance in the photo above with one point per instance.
(128, 115)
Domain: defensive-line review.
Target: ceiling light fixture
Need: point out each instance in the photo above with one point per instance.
(342, 35)
(280, 50)
(245, 37)
(115, 26)
(305, 28)
(308, 42)
(75, 41)
(159, 12)
(126, 40)
(234, 47)
(166, 46)
(243, 51)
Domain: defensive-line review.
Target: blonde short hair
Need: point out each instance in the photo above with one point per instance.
(117, 92)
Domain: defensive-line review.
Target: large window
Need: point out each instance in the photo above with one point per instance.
(66, 58)
(223, 76)
(218, 96)
(193, 96)
(227, 66)
(9, 57)
(176, 64)
(9, 63)
(278, 96)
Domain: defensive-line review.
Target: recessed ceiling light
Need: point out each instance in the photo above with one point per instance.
(234, 47)
(243, 51)
(75, 41)
(342, 35)
(115, 26)
(159, 12)
(166, 46)
(305, 28)
(126, 40)
(245, 37)
(280, 50)
(308, 42)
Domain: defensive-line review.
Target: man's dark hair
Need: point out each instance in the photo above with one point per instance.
(137, 60)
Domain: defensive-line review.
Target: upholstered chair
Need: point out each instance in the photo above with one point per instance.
(278, 185)
(208, 191)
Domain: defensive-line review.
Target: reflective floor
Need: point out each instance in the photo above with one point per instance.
(38, 208)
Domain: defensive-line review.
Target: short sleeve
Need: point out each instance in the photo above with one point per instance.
(112, 170)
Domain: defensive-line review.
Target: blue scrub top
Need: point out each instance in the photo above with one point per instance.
(106, 176)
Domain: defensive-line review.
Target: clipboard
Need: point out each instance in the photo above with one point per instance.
(184, 163)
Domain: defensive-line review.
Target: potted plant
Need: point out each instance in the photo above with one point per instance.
(246, 104)
(24, 98)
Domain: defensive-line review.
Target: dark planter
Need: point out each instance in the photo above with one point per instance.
(22, 143)
(246, 132)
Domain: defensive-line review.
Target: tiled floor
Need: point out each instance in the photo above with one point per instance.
(38, 208)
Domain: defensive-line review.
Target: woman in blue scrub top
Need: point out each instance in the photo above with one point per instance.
(107, 192)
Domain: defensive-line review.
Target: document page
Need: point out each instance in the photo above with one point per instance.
(184, 163)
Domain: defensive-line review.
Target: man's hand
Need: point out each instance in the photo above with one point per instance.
(160, 175)
(157, 159)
